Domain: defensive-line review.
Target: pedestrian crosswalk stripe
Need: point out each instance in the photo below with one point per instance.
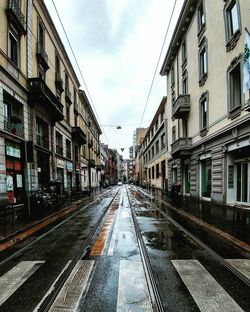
(242, 265)
(75, 287)
(14, 278)
(133, 293)
(206, 291)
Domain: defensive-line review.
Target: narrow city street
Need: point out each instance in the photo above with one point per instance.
(120, 253)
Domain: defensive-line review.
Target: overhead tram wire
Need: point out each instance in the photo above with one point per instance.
(84, 82)
(152, 83)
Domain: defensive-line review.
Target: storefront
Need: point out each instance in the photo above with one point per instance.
(77, 177)
(60, 173)
(69, 168)
(15, 183)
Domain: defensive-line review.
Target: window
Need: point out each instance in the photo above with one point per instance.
(58, 67)
(149, 155)
(157, 172)
(67, 113)
(232, 19)
(174, 175)
(204, 112)
(163, 141)
(153, 172)
(184, 52)
(242, 182)
(42, 133)
(153, 151)
(203, 62)
(173, 134)
(13, 51)
(76, 153)
(172, 76)
(157, 147)
(201, 17)
(149, 173)
(234, 86)
(41, 36)
(185, 85)
(156, 125)
(68, 149)
(162, 116)
(206, 177)
(59, 143)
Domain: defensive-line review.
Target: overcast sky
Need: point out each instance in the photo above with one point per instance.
(117, 44)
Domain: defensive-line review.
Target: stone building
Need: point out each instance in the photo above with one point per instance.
(207, 110)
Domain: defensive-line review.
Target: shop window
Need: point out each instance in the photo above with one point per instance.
(13, 49)
(206, 177)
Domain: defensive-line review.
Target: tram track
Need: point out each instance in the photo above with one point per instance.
(84, 249)
(152, 287)
(204, 246)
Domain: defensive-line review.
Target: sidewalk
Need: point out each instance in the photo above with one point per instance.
(231, 223)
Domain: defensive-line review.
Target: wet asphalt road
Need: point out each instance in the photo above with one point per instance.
(117, 281)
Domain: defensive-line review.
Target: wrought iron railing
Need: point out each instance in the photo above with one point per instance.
(15, 9)
(13, 127)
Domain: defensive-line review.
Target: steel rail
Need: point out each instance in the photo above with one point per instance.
(83, 250)
(213, 253)
(153, 290)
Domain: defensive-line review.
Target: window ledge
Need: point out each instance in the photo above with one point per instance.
(203, 80)
(235, 112)
(233, 41)
(203, 132)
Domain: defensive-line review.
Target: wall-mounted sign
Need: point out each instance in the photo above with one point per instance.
(78, 167)
(69, 166)
(13, 152)
(60, 163)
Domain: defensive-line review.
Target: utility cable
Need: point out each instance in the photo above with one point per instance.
(158, 61)
(84, 82)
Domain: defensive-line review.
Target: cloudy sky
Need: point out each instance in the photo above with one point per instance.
(117, 44)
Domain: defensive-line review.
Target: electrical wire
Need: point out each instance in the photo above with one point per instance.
(84, 82)
(158, 61)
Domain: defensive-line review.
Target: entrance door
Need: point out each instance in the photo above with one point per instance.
(206, 177)
(242, 191)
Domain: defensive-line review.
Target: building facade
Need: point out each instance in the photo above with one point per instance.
(44, 123)
(207, 110)
(153, 151)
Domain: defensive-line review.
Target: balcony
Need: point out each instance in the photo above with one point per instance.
(59, 83)
(42, 56)
(78, 135)
(181, 147)
(13, 126)
(181, 107)
(68, 96)
(42, 141)
(91, 163)
(40, 93)
(16, 17)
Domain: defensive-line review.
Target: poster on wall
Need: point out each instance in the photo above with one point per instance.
(19, 180)
(9, 183)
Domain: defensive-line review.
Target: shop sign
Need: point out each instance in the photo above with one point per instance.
(78, 167)
(60, 163)
(69, 166)
(14, 152)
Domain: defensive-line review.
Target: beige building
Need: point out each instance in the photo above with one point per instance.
(138, 139)
(207, 111)
(44, 123)
(153, 150)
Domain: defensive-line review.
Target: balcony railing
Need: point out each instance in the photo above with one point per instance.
(42, 56)
(42, 141)
(14, 127)
(59, 82)
(40, 93)
(68, 96)
(16, 16)
(181, 147)
(181, 106)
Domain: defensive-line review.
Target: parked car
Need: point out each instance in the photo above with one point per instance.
(119, 183)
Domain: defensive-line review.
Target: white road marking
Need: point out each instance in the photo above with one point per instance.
(75, 288)
(242, 265)
(14, 278)
(51, 288)
(206, 291)
(133, 292)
